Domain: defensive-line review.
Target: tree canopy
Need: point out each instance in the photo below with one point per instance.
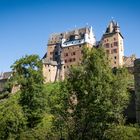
(28, 75)
(92, 97)
(87, 105)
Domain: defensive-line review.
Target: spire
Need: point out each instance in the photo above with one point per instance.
(113, 27)
(117, 28)
(117, 24)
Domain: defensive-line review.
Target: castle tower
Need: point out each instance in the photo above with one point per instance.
(112, 41)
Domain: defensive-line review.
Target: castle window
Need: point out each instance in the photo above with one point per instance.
(73, 59)
(115, 57)
(114, 38)
(73, 53)
(114, 51)
(115, 43)
(49, 70)
(56, 53)
(79, 45)
(66, 61)
(51, 53)
(64, 67)
(107, 45)
(66, 54)
(114, 62)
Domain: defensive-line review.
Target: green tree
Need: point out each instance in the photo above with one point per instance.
(92, 97)
(121, 132)
(12, 120)
(27, 72)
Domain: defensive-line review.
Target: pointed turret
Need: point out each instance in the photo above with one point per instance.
(117, 28)
(112, 27)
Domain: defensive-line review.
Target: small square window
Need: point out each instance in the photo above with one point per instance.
(107, 45)
(115, 43)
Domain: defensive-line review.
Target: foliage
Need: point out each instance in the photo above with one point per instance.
(28, 74)
(57, 101)
(87, 105)
(27, 71)
(121, 132)
(41, 132)
(92, 97)
(12, 120)
(4, 95)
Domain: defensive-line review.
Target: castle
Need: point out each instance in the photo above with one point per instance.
(65, 50)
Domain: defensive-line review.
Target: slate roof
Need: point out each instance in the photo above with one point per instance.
(56, 37)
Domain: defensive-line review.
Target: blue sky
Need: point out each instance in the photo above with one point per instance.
(25, 25)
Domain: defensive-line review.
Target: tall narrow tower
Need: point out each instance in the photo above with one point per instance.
(112, 41)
